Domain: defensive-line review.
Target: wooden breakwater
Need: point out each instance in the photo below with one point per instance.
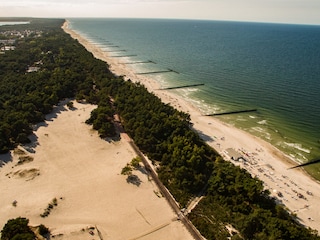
(111, 45)
(132, 55)
(232, 112)
(155, 72)
(138, 62)
(120, 50)
(183, 86)
(314, 161)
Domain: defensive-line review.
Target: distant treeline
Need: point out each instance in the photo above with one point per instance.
(188, 165)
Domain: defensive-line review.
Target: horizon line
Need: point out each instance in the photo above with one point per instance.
(167, 18)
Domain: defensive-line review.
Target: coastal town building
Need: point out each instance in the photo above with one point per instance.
(8, 48)
(7, 42)
(33, 69)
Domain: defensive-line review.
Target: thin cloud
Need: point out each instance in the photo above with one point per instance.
(289, 11)
(76, 2)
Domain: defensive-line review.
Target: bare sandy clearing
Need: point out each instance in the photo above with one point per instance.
(72, 164)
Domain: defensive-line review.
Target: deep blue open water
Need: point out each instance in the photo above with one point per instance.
(274, 68)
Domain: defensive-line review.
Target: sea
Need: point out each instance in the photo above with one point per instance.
(273, 68)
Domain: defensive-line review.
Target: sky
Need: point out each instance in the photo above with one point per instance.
(280, 11)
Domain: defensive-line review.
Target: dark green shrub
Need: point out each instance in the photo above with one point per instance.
(43, 230)
(17, 229)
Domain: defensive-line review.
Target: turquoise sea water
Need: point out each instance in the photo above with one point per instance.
(274, 68)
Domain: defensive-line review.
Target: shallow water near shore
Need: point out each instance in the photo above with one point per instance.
(270, 67)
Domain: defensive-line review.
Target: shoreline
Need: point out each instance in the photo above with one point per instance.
(299, 192)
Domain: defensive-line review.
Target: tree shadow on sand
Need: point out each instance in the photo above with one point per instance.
(30, 147)
(55, 112)
(204, 136)
(5, 158)
(115, 138)
(143, 170)
(38, 125)
(58, 109)
(134, 179)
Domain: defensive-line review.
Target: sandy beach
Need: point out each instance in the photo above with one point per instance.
(82, 172)
(294, 188)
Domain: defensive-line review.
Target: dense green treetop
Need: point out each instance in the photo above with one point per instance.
(17, 229)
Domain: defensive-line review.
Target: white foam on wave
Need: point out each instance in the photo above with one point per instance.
(296, 159)
(297, 146)
(258, 129)
(296, 156)
(250, 116)
(262, 131)
(240, 119)
(263, 122)
(188, 90)
(304, 158)
(202, 105)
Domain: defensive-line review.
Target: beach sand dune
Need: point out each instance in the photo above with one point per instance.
(79, 174)
(294, 188)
